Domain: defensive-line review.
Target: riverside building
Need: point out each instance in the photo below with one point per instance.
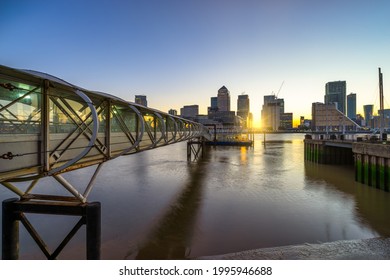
(327, 118)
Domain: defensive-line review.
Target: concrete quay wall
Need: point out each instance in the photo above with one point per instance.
(372, 164)
(371, 159)
(319, 152)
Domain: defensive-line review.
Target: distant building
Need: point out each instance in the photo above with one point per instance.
(219, 111)
(227, 118)
(304, 124)
(301, 120)
(172, 112)
(375, 122)
(250, 120)
(189, 111)
(214, 105)
(286, 121)
(200, 118)
(386, 118)
(351, 106)
(368, 114)
(360, 120)
(271, 112)
(335, 93)
(223, 99)
(307, 124)
(141, 99)
(243, 108)
(327, 118)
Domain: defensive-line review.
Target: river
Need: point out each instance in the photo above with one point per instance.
(155, 205)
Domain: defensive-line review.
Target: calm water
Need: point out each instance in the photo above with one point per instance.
(156, 206)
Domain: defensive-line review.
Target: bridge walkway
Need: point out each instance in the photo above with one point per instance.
(49, 126)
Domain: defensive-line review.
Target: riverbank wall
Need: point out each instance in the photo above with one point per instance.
(319, 151)
(371, 159)
(372, 164)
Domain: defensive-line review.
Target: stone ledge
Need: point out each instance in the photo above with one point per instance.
(366, 249)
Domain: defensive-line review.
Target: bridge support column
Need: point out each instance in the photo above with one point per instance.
(13, 213)
(195, 149)
(10, 229)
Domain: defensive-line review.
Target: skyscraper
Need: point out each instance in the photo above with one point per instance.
(243, 106)
(351, 106)
(335, 93)
(223, 99)
(271, 112)
(141, 99)
(214, 103)
(220, 109)
(213, 106)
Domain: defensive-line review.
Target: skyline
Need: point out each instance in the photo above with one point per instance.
(181, 52)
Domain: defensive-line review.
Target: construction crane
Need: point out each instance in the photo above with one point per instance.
(276, 96)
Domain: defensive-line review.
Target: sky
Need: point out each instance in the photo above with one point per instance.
(181, 52)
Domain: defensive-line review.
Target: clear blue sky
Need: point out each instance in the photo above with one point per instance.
(181, 52)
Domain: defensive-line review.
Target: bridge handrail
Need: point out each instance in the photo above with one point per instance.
(65, 127)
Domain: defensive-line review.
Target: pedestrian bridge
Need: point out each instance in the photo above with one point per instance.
(49, 126)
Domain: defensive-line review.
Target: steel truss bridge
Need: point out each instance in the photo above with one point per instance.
(49, 126)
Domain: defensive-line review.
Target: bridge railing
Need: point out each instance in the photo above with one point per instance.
(48, 126)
